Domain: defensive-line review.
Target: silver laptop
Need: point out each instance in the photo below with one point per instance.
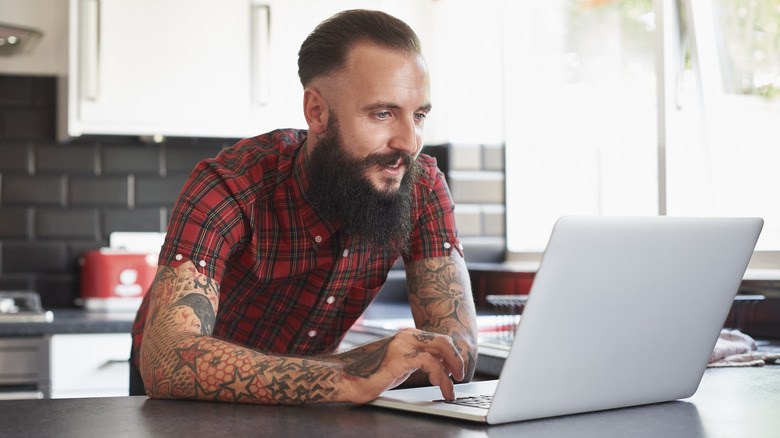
(622, 312)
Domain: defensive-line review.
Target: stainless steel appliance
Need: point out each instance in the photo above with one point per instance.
(24, 360)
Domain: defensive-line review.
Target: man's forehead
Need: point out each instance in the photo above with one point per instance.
(366, 53)
(375, 70)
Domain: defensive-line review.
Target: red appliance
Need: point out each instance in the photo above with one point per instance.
(113, 279)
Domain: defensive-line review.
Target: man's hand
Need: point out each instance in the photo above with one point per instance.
(389, 362)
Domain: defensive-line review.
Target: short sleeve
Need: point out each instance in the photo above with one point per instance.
(205, 226)
(435, 233)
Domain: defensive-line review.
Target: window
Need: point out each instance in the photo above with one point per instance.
(636, 107)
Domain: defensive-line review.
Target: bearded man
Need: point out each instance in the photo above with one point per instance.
(277, 246)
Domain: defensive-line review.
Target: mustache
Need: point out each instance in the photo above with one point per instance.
(389, 159)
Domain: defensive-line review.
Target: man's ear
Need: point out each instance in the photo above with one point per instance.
(315, 109)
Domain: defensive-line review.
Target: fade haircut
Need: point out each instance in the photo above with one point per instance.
(325, 50)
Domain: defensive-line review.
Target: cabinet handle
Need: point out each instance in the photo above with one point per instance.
(261, 47)
(112, 362)
(90, 39)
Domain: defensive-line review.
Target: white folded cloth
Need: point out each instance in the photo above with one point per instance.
(736, 349)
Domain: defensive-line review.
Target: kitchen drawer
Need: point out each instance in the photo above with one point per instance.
(90, 365)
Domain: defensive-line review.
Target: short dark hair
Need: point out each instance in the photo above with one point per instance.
(325, 49)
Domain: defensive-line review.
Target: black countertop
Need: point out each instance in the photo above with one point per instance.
(72, 321)
(730, 402)
(77, 321)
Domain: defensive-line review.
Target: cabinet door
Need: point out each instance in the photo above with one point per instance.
(173, 67)
(90, 365)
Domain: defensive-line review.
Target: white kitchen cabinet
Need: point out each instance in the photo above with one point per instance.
(174, 67)
(90, 365)
(208, 68)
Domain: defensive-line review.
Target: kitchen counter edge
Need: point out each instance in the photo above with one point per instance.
(72, 321)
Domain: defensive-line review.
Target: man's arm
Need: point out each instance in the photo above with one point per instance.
(180, 358)
(441, 300)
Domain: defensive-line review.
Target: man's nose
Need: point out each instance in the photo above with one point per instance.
(407, 137)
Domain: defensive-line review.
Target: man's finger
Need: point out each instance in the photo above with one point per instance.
(438, 376)
(438, 345)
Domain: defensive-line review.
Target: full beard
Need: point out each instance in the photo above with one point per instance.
(340, 190)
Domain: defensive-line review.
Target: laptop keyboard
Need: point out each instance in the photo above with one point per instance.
(478, 401)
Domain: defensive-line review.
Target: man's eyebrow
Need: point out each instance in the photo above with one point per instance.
(385, 105)
(380, 106)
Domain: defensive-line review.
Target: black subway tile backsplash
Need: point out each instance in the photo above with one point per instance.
(15, 223)
(66, 224)
(45, 190)
(30, 257)
(60, 200)
(58, 159)
(58, 290)
(139, 219)
(17, 282)
(111, 191)
(183, 159)
(17, 91)
(28, 123)
(157, 190)
(127, 159)
(27, 91)
(14, 157)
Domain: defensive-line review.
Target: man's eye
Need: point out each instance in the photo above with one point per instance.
(420, 116)
(383, 115)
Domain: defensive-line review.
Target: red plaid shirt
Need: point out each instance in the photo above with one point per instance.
(290, 283)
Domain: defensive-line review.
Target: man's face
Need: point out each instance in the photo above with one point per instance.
(341, 189)
(382, 99)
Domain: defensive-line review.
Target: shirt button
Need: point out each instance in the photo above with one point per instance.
(179, 257)
(345, 253)
(318, 239)
(447, 245)
(202, 263)
(312, 333)
(331, 300)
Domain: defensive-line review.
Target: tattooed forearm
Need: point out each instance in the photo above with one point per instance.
(442, 293)
(180, 359)
(441, 300)
(369, 362)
